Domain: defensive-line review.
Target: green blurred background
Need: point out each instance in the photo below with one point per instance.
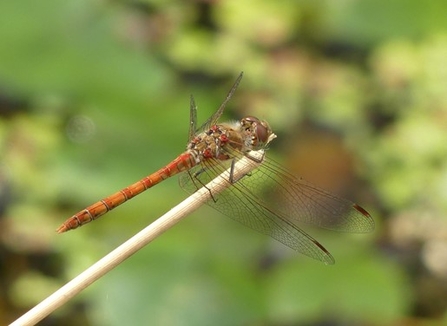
(94, 95)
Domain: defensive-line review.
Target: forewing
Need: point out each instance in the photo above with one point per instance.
(215, 117)
(301, 201)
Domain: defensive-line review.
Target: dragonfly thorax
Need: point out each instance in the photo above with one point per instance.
(220, 140)
(216, 142)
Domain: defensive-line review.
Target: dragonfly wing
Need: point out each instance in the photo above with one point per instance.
(243, 204)
(301, 201)
(213, 119)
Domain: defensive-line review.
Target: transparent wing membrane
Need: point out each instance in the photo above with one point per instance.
(273, 202)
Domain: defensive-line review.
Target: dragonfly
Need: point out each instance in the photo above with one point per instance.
(269, 199)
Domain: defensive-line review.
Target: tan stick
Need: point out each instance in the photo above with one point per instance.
(124, 251)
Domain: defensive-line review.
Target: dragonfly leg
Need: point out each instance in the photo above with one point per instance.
(232, 179)
(195, 178)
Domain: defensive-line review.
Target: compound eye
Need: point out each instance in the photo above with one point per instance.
(251, 119)
(258, 132)
(263, 132)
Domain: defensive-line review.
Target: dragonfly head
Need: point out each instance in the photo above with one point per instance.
(258, 133)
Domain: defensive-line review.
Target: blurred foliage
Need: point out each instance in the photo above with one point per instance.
(95, 94)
